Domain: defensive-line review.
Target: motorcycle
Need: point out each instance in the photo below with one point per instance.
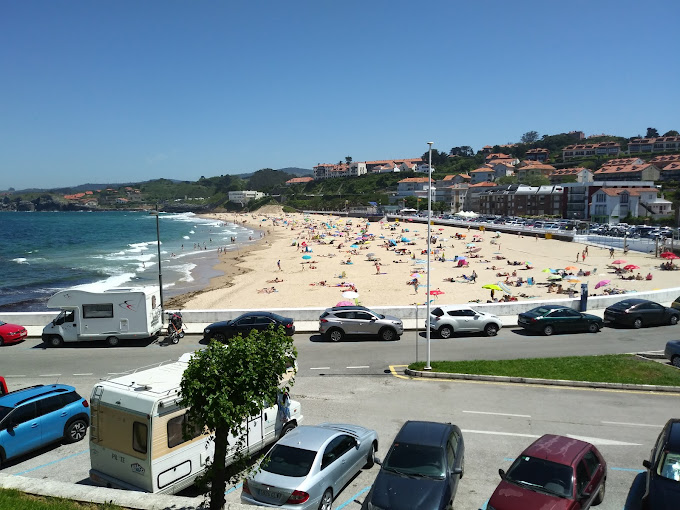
(175, 327)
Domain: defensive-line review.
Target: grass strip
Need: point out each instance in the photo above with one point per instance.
(12, 499)
(614, 368)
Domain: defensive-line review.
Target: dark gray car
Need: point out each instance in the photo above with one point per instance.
(672, 352)
(339, 321)
(422, 469)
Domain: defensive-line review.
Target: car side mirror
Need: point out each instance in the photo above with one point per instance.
(585, 495)
(502, 474)
(358, 444)
(647, 464)
(457, 471)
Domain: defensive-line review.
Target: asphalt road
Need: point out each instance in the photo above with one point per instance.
(351, 382)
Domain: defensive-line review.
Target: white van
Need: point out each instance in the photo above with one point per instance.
(112, 315)
(136, 439)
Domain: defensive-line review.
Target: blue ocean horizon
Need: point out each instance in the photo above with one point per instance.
(45, 252)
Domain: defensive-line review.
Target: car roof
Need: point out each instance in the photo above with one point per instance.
(549, 307)
(260, 314)
(19, 396)
(428, 433)
(559, 449)
(351, 307)
(454, 307)
(313, 437)
(633, 301)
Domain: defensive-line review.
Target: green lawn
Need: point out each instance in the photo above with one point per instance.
(617, 368)
(11, 499)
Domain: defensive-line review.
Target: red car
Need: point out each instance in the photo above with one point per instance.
(553, 473)
(11, 333)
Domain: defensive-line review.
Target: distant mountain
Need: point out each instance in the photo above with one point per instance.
(300, 172)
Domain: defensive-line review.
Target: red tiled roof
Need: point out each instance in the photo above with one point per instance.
(591, 146)
(535, 165)
(622, 169)
(481, 184)
(612, 192)
(620, 161)
(499, 156)
(568, 171)
(399, 161)
(538, 151)
(298, 180)
(451, 177)
(482, 169)
(415, 179)
(671, 166)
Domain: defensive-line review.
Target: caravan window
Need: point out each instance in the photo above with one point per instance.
(139, 436)
(176, 426)
(99, 311)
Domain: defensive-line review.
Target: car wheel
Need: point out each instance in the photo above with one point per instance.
(220, 337)
(600, 494)
(113, 341)
(593, 327)
(75, 431)
(548, 330)
(672, 321)
(370, 458)
(326, 500)
(675, 361)
(56, 341)
(387, 334)
(491, 330)
(637, 323)
(288, 427)
(335, 335)
(446, 332)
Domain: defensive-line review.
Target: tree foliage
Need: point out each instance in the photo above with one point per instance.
(224, 385)
(672, 132)
(529, 137)
(652, 133)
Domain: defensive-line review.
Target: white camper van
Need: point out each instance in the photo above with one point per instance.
(136, 440)
(112, 315)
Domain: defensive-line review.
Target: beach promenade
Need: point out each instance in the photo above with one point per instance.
(309, 261)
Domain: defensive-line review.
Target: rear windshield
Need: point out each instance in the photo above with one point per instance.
(437, 312)
(623, 305)
(288, 461)
(541, 311)
(325, 314)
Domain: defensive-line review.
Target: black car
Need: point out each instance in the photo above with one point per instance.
(640, 312)
(672, 352)
(422, 469)
(244, 324)
(549, 319)
(662, 487)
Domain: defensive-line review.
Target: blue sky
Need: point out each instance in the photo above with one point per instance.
(116, 91)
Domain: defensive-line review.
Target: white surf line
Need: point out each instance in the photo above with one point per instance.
(362, 366)
(49, 375)
(84, 374)
(631, 424)
(499, 414)
(320, 368)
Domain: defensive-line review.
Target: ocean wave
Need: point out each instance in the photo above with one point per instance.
(20, 260)
(108, 283)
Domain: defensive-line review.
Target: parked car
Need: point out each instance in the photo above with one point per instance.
(309, 466)
(446, 320)
(33, 417)
(244, 324)
(640, 312)
(339, 321)
(3, 387)
(676, 303)
(672, 352)
(11, 333)
(662, 484)
(549, 319)
(553, 472)
(422, 468)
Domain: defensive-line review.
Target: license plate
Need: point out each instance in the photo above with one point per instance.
(269, 494)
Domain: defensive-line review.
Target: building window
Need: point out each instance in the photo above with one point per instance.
(600, 198)
(624, 198)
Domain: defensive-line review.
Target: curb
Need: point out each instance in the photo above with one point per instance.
(543, 382)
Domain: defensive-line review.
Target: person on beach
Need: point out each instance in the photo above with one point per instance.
(278, 264)
(611, 253)
(377, 268)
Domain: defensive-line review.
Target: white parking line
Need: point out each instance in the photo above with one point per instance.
(320, 368)
(15, 376)
(500, 414)
(362, 366)
(631, 424)
(49, 375)
(84, 374)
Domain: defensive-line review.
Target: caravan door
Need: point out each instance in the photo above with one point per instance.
(68, 323)
(255, 434)
(269, 420)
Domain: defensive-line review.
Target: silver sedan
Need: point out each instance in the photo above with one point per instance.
(308, 467)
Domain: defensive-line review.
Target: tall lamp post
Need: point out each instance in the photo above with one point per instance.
(429, 220)
(158, 244)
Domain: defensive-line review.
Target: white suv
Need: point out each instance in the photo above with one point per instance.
(447, 320)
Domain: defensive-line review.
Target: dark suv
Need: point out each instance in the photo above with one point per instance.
(33, 417)
(662, 487)
(422, 469)
(339, 321)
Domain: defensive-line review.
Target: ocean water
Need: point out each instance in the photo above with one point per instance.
(44, 252)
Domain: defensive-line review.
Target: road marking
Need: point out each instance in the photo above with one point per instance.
(234, 488)
(627, 469)
(320, 368)
(117, 373)
(500, 414)
(50, 463)
(362, 366)
(593, 440)
(49, 375)
(15, 376)
(631, 424)
(353, 498)
(495, 433)
(84, 374)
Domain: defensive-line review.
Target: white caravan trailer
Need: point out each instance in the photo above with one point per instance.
(112, 315)
(136, 440)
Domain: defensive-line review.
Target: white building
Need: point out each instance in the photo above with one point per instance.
(243, 197)
(612, 205)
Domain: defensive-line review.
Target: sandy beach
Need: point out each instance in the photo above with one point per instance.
(378, 260)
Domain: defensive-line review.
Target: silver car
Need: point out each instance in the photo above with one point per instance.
(339, 321)
(309, 466)
(447, 320)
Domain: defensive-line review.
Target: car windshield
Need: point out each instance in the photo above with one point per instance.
(542, 475)
(415, 460)
(3, 323)
(541, 311)
(288, 461)
(4, 411)
(669, 467)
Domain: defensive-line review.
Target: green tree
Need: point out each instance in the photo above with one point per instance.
(224, 385)
(348, 160)
(529, 137)
(672, 132)
(652, 133)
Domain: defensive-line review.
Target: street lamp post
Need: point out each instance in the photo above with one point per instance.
(158, 244)
(429, 237)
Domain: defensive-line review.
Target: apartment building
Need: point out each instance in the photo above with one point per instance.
(540, 155)
(660, 144)
(644, 172)
(595, 149)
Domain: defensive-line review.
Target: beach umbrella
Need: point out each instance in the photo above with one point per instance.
(572, 278)
(602, 283)
(354, 246)
(504, 288)
(492, 286)
(436, 293)
(470, 245)
(350, 294)
(475, 250)
(619, 261)
(369, 255)
(630, 267)
(672, 256)
(415, 275)
(554, 277)
(549, 271)
(570, 268)
(405, 240)
(306, 257)
(666, 254)
(345, 303)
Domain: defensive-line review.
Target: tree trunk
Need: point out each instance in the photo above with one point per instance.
(219, 482)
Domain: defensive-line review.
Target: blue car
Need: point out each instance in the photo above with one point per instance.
(33, 417)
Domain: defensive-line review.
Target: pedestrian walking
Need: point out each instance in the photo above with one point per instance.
(278, 264)
(578, 255)
(611, 253)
